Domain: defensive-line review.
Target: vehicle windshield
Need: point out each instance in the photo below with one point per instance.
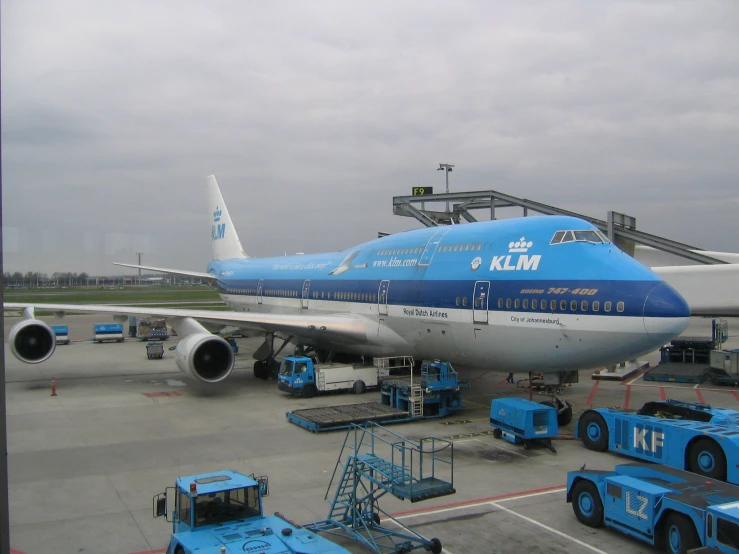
(223, 506)
(286, 368)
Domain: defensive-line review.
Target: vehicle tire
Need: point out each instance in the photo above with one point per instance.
(680, 534)
(376, 519)
(435, 546)
(594, 431)
(359, 387)
(260, 370)
(586, 503)
(308, 391)
(497, 433)
(707, 458)
(179, 550)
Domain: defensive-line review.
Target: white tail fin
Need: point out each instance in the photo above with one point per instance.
(226, 243)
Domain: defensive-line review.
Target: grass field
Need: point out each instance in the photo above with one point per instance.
(155, 296)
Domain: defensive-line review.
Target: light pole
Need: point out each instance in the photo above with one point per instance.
(139, 255)
(446, 168)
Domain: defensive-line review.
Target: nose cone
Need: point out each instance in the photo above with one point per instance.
(666, 313)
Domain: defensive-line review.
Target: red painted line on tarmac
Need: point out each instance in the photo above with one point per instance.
(14, 551)
(592, 394)
(700, 396)
(736, 395)
(150, 551)
(483, 374)
(464, 503)
(628, 397)
(500, 382)
(662, 393)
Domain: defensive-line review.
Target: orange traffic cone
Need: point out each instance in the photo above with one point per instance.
(53, 387)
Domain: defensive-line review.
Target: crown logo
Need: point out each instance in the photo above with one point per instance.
(520, 245)
(217, 215)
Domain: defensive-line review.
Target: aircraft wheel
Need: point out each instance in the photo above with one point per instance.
(359, 387)
(261, 370)
(680, 534)
(594, 431)
(705, 457)
(308, 391)
(586, 503)
(565, 416)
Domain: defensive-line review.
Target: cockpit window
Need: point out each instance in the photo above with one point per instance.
(557, 238)
(589, 235)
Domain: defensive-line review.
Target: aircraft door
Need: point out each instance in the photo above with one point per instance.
(431, 246)
(306, 292)
(259, 291)
(382, 297)
(480, 299)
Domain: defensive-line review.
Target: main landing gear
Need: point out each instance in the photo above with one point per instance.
(266, 364)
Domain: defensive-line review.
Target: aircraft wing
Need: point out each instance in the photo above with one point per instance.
(710, 290)
(341, 328)
(185, 273)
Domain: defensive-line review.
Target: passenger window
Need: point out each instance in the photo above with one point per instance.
(516, 303)
(584, 306)
(552, 305)
(457, 300)
(500, 302)
(525, 303)
(563, 305)
(464, 301)
(620, 307)
(596, 305)
(508, 303)
(607, 306)
(534, 304)
(573, 305)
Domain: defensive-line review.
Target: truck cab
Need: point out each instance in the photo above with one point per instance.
(722, 529)
(296, 372)
(222, 511)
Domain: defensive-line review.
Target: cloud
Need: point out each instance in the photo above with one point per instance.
(314, 115)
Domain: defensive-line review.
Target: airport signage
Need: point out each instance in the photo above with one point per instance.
(422, 191)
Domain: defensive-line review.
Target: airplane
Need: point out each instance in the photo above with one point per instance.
(543, 294)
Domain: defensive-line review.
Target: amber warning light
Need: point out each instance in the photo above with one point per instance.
(193, 489)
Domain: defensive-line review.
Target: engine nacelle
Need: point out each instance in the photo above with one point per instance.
(206, 357)
(32, 341)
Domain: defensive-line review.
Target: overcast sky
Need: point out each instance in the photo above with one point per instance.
(313, 115)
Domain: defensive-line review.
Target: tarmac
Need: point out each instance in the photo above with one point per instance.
(85, 464)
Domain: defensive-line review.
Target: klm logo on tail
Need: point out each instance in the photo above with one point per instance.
(219, 229)
(519, 262)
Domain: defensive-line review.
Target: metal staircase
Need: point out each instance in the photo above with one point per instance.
(381, 462)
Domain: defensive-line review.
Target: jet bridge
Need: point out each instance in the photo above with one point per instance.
(620, 228)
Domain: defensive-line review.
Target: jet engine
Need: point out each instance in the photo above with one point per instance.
(32, 341)
(204, 356)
